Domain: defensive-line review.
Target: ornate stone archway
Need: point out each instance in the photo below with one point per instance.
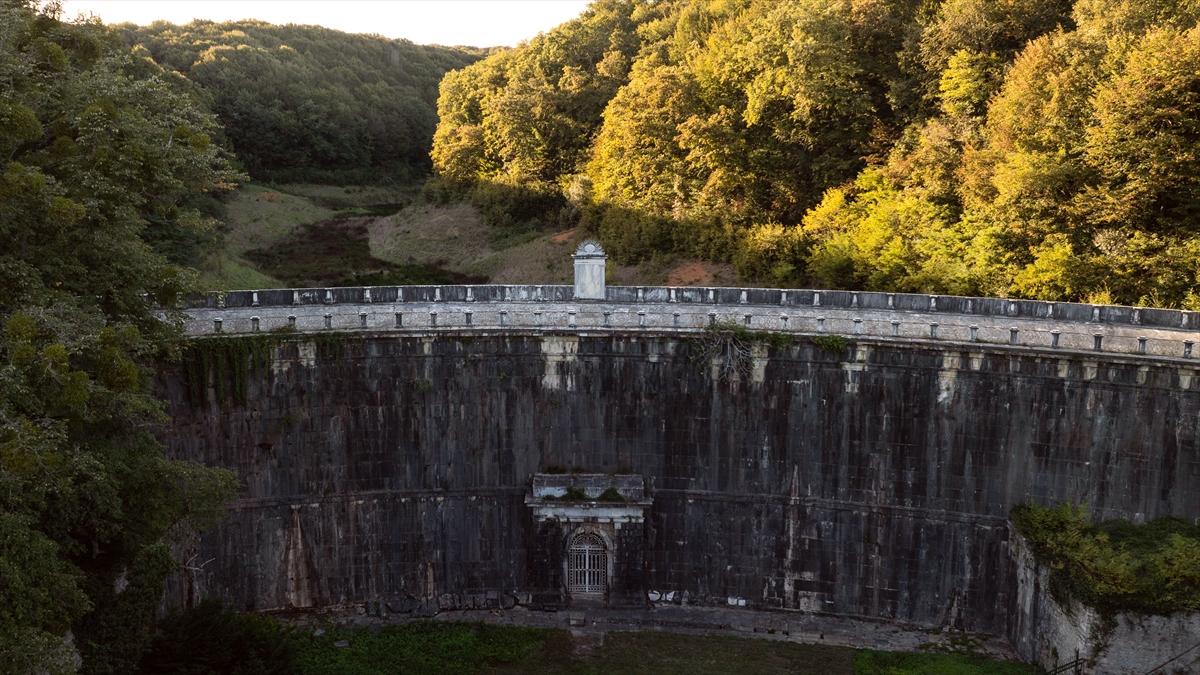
(588, 543)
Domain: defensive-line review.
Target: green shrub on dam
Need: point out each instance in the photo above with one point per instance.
(1115, 565)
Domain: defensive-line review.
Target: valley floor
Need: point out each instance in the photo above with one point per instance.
(321, 235)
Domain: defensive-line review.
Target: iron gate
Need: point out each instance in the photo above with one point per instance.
(587, 565)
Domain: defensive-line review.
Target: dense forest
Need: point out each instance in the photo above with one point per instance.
(117, 146)
(103, 152)
(1033, 148)
(310, 103)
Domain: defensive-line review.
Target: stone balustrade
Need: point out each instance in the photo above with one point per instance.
(1162, 333)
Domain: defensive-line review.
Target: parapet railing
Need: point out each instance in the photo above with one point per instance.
(687, 310)
(864, 300)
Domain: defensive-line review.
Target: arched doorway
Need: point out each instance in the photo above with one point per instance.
(587, 567)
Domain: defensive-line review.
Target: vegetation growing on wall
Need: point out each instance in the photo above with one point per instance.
(1026, 148)
(832, 344)
(226, 364)
(611, 494)
(730, 345)
(572, 494)
(1114, 565)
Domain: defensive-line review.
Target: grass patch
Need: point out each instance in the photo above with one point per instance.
(258, 216)
(871, 662)
(223, 271)
(422, 237)
(715, 655)
(343, 197)
(500, 238)
(255, 216)
(1115, 565)
(424, 647)
(209, 639)
(261, 218)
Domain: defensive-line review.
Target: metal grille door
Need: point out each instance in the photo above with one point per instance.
(587, 565)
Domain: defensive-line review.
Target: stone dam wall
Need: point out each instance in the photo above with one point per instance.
(870, 481)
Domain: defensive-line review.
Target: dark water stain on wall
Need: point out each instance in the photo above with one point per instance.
(875, 483)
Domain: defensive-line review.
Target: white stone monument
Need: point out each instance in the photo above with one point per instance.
(590, 261)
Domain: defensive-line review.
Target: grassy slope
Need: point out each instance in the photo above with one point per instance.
(455, 237)
(256, 216)
(259, 217)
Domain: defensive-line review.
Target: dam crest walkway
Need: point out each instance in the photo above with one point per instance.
(1112, 330)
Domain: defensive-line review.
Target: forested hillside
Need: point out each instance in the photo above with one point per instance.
(305, 102)
(104, 156)
(1036, 148)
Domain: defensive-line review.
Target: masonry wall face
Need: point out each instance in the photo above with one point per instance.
(873, 482)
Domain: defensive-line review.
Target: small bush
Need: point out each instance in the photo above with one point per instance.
(518, 206)
(611, 495)
(213, 639)
(574, 494)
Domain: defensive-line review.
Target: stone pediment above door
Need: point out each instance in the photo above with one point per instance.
(588, 497)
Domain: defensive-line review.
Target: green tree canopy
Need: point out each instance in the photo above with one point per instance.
(310, 102)
(1014, 147)
(102, 151)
